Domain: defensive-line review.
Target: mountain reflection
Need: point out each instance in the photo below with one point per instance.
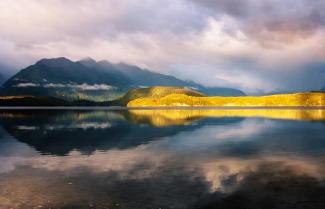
(61, 132)
(162, 159)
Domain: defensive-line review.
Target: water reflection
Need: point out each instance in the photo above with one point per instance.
(162, 159)
(59, 133)
(182, 116)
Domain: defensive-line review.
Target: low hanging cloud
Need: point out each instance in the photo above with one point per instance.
(27, 85)
(258, 46)
(83, 87)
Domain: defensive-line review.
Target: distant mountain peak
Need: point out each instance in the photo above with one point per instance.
(51, 61)
(88, 62)
(89, 59)
(104, 62)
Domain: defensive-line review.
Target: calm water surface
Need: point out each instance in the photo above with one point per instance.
(179, 159)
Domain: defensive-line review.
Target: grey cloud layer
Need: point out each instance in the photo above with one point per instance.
(276, 38)
(274, 20)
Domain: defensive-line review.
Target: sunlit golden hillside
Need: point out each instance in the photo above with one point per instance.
(284, 100)
(154, 92)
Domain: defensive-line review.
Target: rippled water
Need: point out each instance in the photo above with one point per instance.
(162, 159)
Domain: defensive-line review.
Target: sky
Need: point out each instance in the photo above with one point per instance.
(258, 46)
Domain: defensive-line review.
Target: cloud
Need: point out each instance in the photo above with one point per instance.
(273, 21)
(254, 45)
(61, 20)
(83, 87)
(27, 85)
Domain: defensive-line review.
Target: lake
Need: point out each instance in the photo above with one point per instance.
(180, 159)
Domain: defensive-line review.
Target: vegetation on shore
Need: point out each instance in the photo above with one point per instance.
(316, 99)
(16, 101)
(154, 92)
(32, 101)
(161, 96)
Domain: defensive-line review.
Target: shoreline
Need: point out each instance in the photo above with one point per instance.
(158, 108)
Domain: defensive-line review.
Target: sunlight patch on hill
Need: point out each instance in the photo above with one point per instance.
(284, 100)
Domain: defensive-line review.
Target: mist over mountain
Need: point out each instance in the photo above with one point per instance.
(89, 79)
(5, 73)
(323, 89)
(2, 79)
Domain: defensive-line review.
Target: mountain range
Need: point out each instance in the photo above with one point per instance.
(93, 80)
(2, 79)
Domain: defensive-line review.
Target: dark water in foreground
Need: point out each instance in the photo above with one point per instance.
(162, 159)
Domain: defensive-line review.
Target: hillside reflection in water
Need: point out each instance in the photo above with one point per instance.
(238, 158)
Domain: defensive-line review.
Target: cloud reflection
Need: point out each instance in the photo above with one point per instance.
(220, 163)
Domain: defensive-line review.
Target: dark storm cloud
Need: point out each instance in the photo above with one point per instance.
(237, 8)
(271, 20)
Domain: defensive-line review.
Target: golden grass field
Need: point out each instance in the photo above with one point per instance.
(310, 99)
